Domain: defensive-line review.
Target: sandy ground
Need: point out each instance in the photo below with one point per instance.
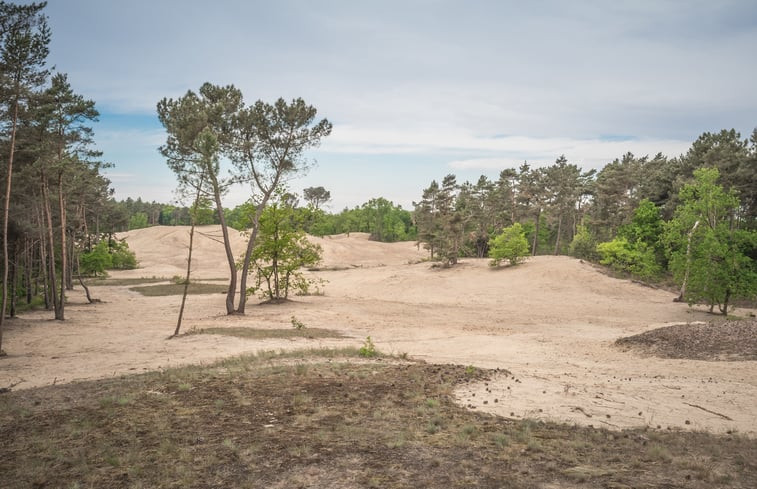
(551, 322)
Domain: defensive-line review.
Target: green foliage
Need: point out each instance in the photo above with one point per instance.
(637, 248)
(638, 258)
(115, 255)
(122, 258)
(241, 216)
(543, 236)
(281, 250)
(316, 196)
(368, 350)
(97, 261)
(646, 224)
(711, 259)
(138, 221)
(297, 324)
(583, 245)
(381, 218)
(510, 245)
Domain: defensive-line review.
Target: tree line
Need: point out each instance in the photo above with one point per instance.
(56, 202)
(635, 214)
(382, 219)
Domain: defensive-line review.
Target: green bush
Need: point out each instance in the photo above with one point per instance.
(122, 257)
(96, 261)
(637, 258)
(510, 245)
(583, 245)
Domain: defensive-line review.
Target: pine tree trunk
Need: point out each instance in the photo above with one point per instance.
(52, 278)
(227, 246)
(559, 231)
(13, 282)
(63, 249)
(71, 262)
(28, 270)
(6, 215)
(247, 257)
(536, 233)
(251, 245)
(43, 270)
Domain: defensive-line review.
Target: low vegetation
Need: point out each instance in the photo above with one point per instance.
(178, 289)
(267, 333)
(271, 421)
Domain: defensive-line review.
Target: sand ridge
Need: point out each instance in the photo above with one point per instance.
(551, 322)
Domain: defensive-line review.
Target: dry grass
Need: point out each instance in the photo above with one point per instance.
(124, 281)
(255, 421)
(261, 333)
(178, 289)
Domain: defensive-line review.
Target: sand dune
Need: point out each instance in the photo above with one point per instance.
(550, 321)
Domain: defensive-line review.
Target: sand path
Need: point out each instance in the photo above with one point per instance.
(551, 322)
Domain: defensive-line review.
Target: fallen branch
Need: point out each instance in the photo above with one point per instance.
(581, 410)
(707, 410)
(4, 390)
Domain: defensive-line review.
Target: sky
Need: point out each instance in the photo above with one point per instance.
(417, 89)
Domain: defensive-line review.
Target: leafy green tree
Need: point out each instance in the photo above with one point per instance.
(138, 221)
(510, 245)
(122, 258)
(637, 248)
(427, 218)
(268, 146)
(584, 245)
(710, 257)
(281, 250)
(531, 199)
(97, 261)
(198, 127)
(726, 151)
(316, 196)
(636, 258)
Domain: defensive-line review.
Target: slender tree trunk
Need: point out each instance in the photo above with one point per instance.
(251, 245)
(28, 270)
(51, 251)
(726, 300)
(71, 261)
(227, 246)
(536, 233)
(682, 296)
(13, 281)
(43, 269)
(189, 259)
(6, 215)
(275, 265)
(559, 231)
(63, 249)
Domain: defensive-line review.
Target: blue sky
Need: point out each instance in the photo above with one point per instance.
(417, 89)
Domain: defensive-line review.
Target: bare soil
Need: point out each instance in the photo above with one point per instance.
(552, 323)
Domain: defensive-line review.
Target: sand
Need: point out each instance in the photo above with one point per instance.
(551, 322)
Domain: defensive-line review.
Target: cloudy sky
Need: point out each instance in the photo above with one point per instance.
(417, 89)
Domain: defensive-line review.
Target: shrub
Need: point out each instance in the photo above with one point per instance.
(96, 261)
(510, 245)
(637, 258)
(583, 245)
(121, 256)
(368, 349)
